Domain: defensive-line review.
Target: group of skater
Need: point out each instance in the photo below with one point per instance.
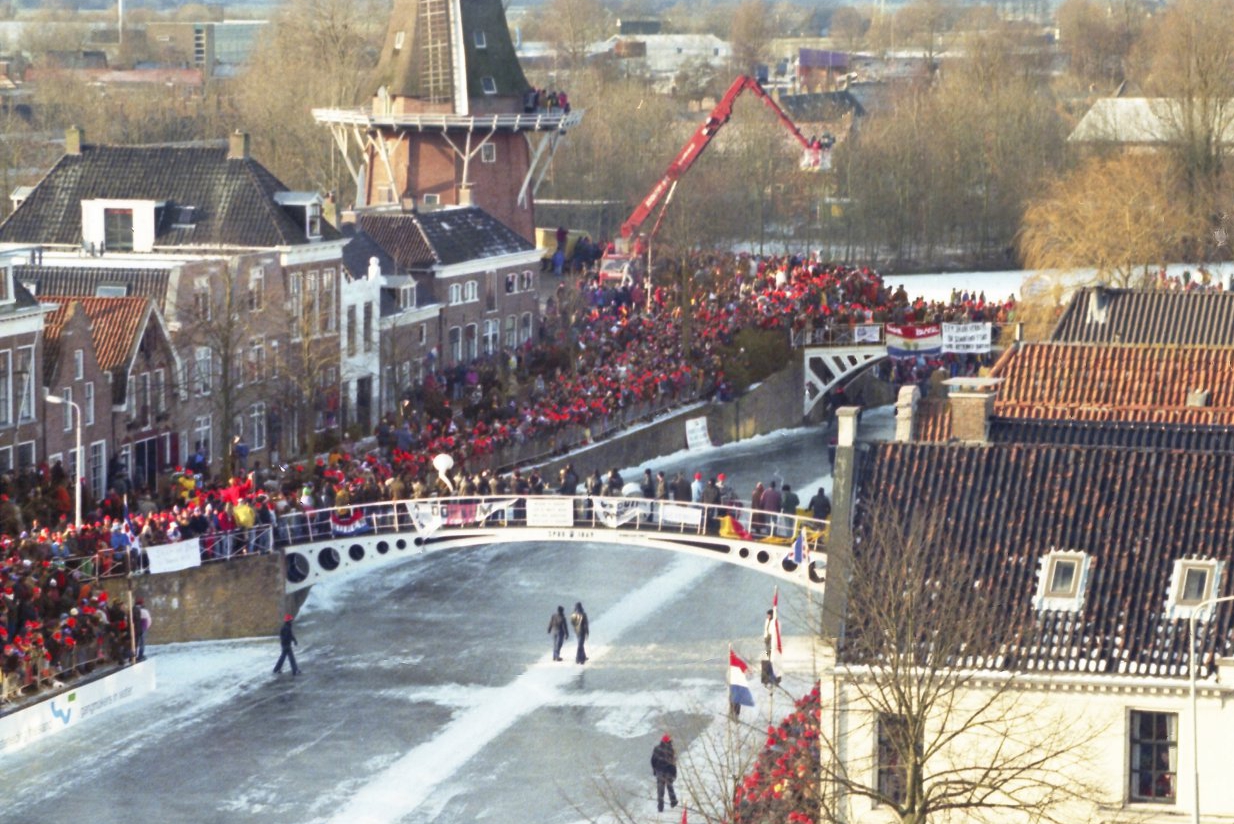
(559, 630)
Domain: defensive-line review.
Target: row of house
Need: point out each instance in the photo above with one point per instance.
(184, 299)
(1075, 502)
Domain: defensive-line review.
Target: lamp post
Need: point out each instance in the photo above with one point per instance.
(57, 400)
(1195, 724)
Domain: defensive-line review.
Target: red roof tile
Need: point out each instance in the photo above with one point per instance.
(115, 325)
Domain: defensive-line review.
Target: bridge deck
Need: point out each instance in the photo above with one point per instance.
(325, 543)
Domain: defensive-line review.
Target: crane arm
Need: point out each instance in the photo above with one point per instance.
(699, 141)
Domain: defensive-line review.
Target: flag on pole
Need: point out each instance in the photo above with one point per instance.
(739, 693)
(799, 547)
(776, 646)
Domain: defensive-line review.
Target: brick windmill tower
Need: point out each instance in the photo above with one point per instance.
(453, 119)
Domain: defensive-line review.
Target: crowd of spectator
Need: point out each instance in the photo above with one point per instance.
(610, 352)
(783, 784)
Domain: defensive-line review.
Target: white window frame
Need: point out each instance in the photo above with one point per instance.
(479, 39)
(1049, 598)
(488, 84)
(6, 458)
(526, 330)
(26, 391)
(88, 403)
(79, 364)
(455, 294)
(203, 370)
(1134, 768)
(6, 387)
(1180, 607)
(471, 292)
(67, 393)
(257, 426)
(488, 153)
(96, 473)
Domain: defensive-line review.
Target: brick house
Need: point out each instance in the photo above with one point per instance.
(476, 276)
(114, 358)
(21, 367)
(245, 272)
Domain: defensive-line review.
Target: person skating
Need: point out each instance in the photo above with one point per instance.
(287, 639)
(559, 629)
(664, 767)
(581, 630)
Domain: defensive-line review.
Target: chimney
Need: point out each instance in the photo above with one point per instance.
(840, 530)
(238, 146)
(73, 137)
(972, 406)
(1098, 304)
(906, 412)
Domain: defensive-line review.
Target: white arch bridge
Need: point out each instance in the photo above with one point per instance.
(327, 543)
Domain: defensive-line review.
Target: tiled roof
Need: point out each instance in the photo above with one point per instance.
(1137, 434)
(84, 281)
(1116, 382)
(360, 248)
(419, 240)
(232, 200)
(1133, 511)
(1147, 316)
(116, 324)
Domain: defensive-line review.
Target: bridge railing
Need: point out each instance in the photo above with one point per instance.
(841, 334)
(429, 516)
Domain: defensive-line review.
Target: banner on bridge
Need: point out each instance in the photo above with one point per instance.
(909, 340)
(967, 338)
(174, 557)
(550, 512)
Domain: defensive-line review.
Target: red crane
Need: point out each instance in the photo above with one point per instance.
(699, 141)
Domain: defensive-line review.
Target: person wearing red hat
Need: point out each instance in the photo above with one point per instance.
(287, 639)
(664, 767)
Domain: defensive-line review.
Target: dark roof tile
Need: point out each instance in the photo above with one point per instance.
(1102, 315)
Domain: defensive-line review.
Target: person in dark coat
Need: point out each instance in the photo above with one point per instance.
(664, 767)
(287, 638)
(559, 629)
(581, 630)
(820, 505)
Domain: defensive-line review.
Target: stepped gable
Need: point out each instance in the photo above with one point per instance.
(418, 57)
(232, 200)
(1063, 381)
(1133, 511)
(85, 281)
(1102, 315)
(115, 329)
(419, 240)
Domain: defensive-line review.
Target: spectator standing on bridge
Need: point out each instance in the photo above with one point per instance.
(287, 639)
(820, 505)
(559, 629)
(581, 630)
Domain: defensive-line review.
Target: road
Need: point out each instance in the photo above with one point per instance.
(429, 693)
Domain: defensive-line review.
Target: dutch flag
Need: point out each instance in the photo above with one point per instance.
(738, 681)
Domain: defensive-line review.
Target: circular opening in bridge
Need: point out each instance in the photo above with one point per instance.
(818, 572)
(400, 544)
(744, 552)
(382, 547)
(328, 559)
(355, 552)
(762, 556)
(418, 541)
(787, 565)
(297, 567)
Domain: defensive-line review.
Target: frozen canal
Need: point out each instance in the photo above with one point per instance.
(429, 693)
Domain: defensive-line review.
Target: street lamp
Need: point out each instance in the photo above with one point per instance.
(57, 400)
(1195, 724)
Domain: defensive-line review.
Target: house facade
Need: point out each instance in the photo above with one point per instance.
(246, 273)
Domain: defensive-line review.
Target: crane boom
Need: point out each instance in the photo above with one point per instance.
(699, 141)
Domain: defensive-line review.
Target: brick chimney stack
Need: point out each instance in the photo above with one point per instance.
(238, 146)
(73, 137)
(972, 406)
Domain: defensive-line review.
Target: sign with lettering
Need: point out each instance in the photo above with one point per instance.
(697, 436)
(550, 512)
(174, 557)
(967, 338)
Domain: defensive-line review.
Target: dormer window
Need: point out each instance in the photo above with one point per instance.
(310, 202)
(119, 225)
(488, 84)
(1061, 581)
(1194, 581)
(118, 230)
(313, 215)
(479, 39)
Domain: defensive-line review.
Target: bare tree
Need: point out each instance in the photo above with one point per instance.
(1117, 216)
(849, 27)
(1097, 39)
(935, 720)
(751, 34)
(571, 26)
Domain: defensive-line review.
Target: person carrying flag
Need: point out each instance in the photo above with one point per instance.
(664, 767)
